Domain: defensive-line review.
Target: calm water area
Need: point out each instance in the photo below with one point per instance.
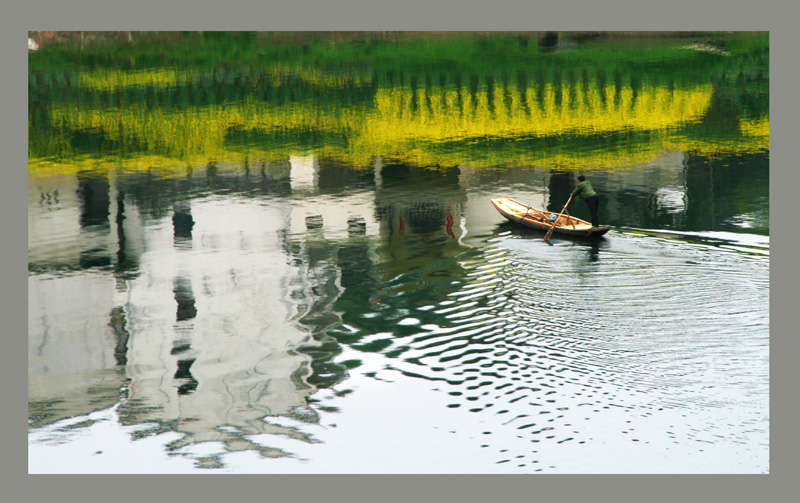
(277, 253)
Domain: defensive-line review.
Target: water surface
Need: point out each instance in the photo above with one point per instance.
(292, 265)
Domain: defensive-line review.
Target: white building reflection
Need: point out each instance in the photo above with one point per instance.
(197, 337)
(208, 314)
(74, 326)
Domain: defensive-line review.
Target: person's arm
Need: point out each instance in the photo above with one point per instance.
(577, 190)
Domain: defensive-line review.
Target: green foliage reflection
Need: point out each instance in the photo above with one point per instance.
(432, 99)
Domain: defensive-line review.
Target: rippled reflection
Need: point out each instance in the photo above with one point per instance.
(507, 343)
(223, 258)
(239, 308)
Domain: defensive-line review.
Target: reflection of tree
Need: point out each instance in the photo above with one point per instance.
(720, 190)
(720, 193)
(230, 111)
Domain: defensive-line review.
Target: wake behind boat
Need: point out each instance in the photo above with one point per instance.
(542, 220)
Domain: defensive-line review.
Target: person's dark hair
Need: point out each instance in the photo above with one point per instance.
(581, 178)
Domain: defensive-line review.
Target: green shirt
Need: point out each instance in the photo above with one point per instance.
(584, 189)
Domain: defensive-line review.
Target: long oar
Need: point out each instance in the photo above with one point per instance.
(550, 231)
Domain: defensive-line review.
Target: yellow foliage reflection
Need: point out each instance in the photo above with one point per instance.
(758, 128)
(451, 115)
(430, 124)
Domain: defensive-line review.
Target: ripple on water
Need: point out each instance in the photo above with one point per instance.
(546, 344)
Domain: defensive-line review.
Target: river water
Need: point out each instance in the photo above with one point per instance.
(298, 269)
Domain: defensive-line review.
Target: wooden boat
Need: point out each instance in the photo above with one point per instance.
(540, 219)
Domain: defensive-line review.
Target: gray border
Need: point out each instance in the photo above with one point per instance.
(772, 15)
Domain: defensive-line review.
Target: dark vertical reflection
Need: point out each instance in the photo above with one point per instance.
(618, 87)
(560, 186)
(184, 374)
(507, 101)
(720, 189)
(571, 89)
(184, 296)
(317, 306)
(356, 227)
(636, 88)
(126, 268)
(186, 310)
(490, 90)
(94, 200)
(121, 335)
(414, 95)
(474, 88)
(522, 87)
(459, 87)
(602, 81)
(336, 175)
(594, 251)
(558, 87)
(93, 194)
(540, 81)
(211, 173)
(360, 279)
(120, 219)
(549, 39)
(182, 222)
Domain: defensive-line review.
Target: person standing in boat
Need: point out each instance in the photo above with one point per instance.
(587, 193)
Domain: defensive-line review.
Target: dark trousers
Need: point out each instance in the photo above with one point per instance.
(592, 202)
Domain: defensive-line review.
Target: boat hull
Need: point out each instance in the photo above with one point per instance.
(535, 218)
